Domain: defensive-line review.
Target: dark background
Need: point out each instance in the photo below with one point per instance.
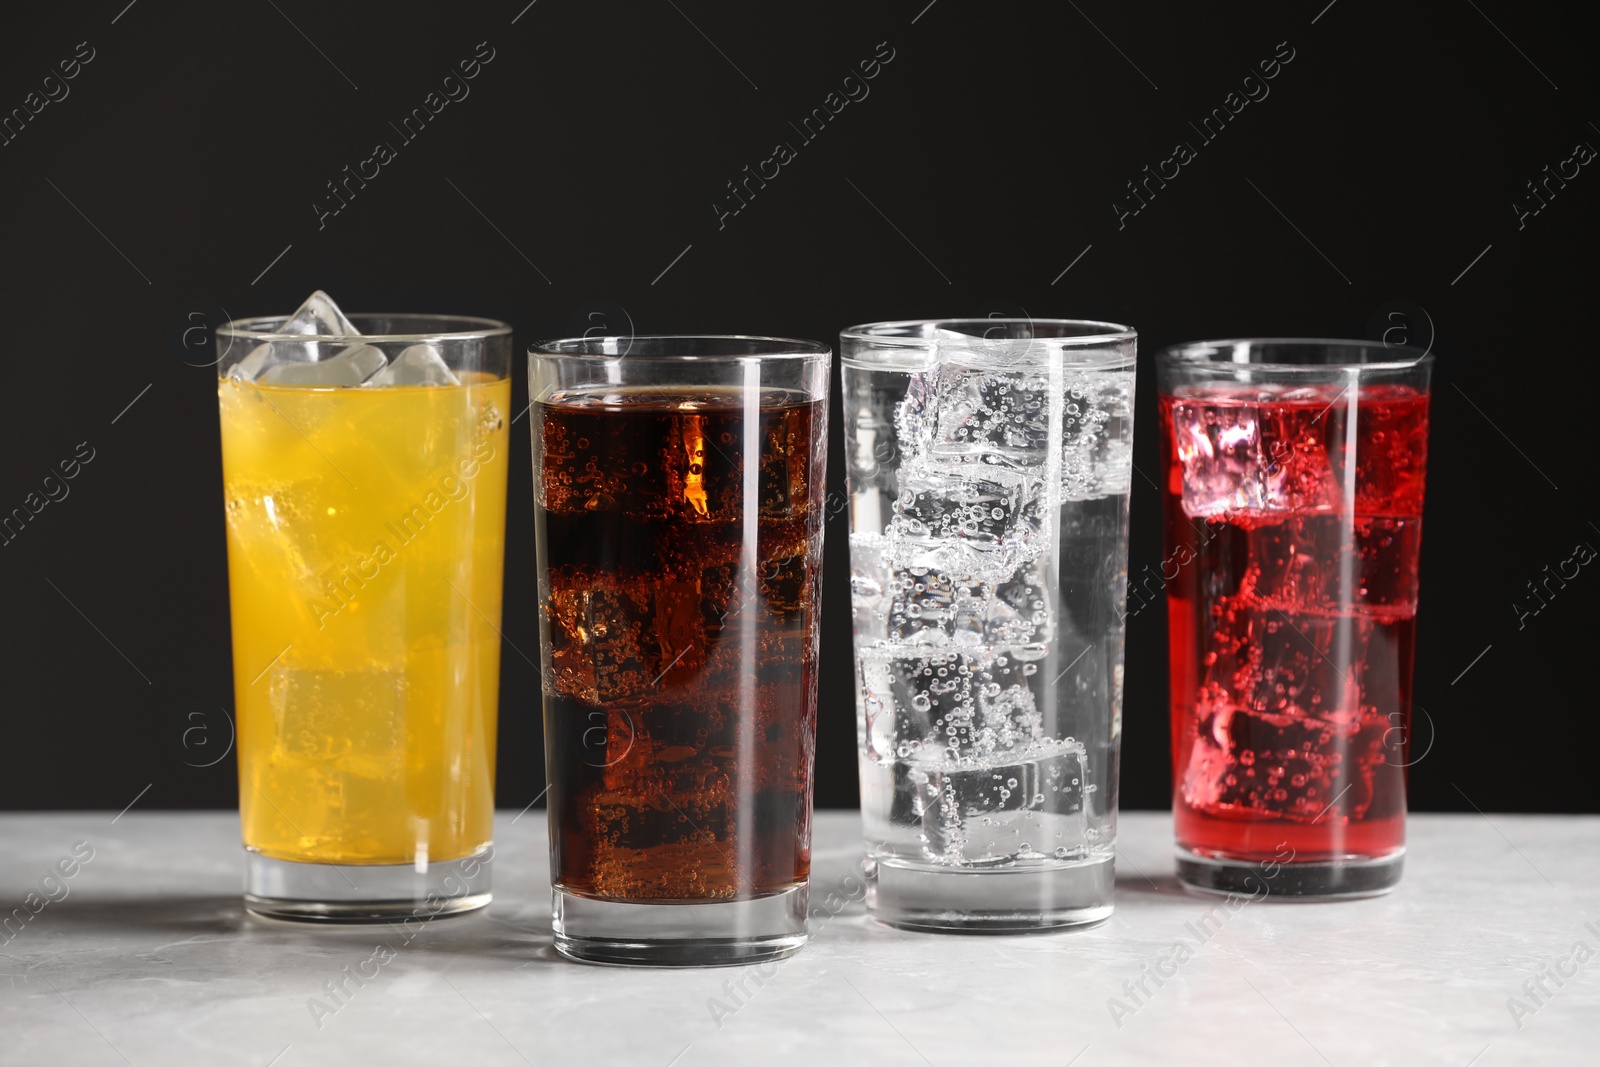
(174, 186)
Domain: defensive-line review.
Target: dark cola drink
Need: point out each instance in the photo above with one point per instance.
(680, 539)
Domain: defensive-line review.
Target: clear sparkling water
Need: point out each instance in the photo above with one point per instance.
(988, 570)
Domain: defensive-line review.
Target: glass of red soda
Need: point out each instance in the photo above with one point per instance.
(1293, 501)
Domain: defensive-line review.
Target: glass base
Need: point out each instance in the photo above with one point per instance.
(1012, 900)
(1341, 879)
(716, 934)
(351, 893)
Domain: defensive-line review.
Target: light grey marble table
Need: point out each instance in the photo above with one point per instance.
(148, 959)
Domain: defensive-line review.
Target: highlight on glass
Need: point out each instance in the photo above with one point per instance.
(1293, 485)
(678, 485)
(364, 478)
(989, 467)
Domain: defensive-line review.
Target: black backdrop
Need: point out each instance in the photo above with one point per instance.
(1378, 179)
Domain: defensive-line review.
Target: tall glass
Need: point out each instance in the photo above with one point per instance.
(678, 486)
(366, 529)
(1293, 491)
(989, 466)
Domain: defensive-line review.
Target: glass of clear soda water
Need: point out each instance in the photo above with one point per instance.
(989, 465)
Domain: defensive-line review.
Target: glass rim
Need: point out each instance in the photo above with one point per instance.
(760, 348)
(1194, 355)
(458, 328)
(1099, 332)
(904, 344)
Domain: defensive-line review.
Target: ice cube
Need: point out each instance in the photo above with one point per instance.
(784, 465)
(994, 416)
(283, 352)
(998, 403)
(981, 521)
(977, 405)
(1289, 766)
(1097, 435)
(978, 402)
(1265, 454)
(1018, 612)
(251, 366)
(934, 610)
(1299, 564)
(784, 584)
(869, 582)
(319, 315)
(995, 813)
(603, 640)
(875, 706)
(922, 606)
(953, 702)
(417, 365)
(1284, 663)
(680, 630)
(352, 366)
(919, 703)
(914, 416)
(612, 630)
(354, 720)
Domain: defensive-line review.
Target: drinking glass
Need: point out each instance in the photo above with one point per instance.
(1293, 497)
(989, 464)
(366, 527)
(678, 487)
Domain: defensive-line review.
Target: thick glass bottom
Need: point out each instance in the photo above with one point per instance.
(347, 893)
(1321, 880)
(1011, 900)
(713, 934)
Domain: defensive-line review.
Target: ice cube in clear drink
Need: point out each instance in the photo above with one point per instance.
(993, 813)
(1096, 435)
(869, 585)
(983, 521)
(875, 688)
(923, 605)
(1017, 612)
(1011, 420)
(1007, 718)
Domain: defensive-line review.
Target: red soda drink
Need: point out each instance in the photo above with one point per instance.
(1293, 522)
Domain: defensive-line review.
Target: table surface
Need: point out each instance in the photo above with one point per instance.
(150, 959)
